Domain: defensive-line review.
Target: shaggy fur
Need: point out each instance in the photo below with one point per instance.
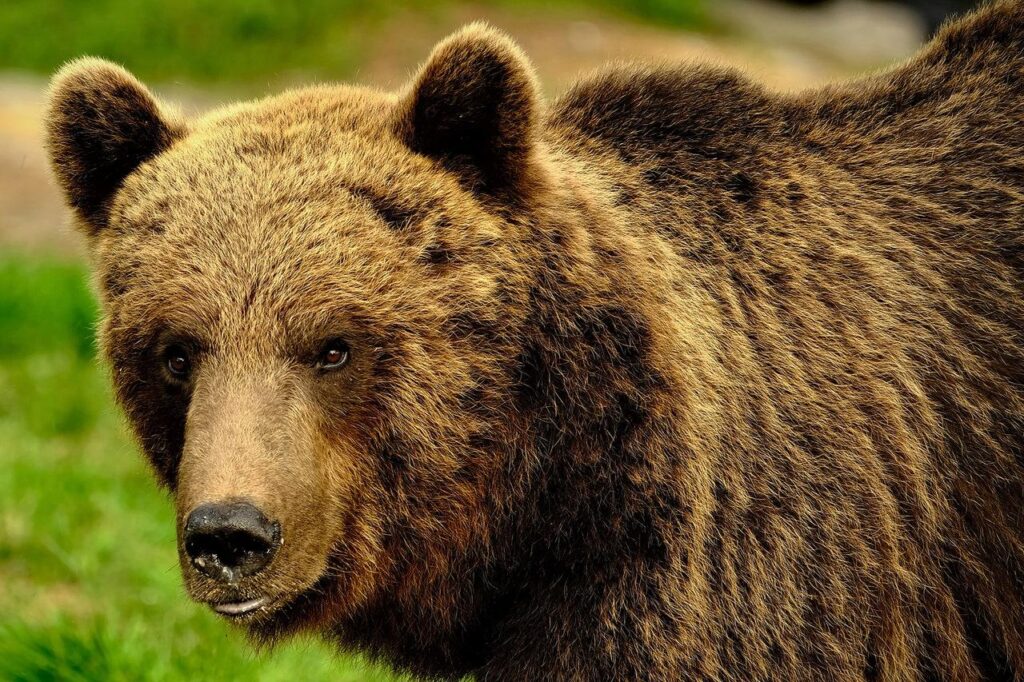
(675, 379)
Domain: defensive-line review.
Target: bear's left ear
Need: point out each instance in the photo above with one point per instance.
(474, 107)
(101, 124)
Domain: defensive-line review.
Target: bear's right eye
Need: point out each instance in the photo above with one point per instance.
(333, 355)
(177, 361)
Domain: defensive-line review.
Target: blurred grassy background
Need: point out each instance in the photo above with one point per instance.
(89, 583)
(217, 40)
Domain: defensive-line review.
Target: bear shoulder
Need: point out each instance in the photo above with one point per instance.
(638, 109)
(972, 68)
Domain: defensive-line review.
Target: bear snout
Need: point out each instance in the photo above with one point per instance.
(230, 540)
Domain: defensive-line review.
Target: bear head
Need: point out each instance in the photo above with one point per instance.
(310, 310)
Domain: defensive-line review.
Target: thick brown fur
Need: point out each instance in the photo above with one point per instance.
(675, 379)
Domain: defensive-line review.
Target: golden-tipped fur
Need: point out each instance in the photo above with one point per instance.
(675, 378)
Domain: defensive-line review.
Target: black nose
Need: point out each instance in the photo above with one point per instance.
(230, 540)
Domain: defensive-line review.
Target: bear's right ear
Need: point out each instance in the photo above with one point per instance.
(101, 123)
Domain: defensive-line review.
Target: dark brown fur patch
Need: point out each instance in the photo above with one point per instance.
(395, 211)
(438, 253)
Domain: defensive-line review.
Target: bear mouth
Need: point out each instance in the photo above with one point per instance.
(240, 609)
(288, 613)
(261, 609)
(251, 609)
(272, 616)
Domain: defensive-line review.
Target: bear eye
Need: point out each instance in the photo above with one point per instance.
(334, 355)
(177, 361)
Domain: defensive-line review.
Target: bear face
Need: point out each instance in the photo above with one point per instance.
(294, 293)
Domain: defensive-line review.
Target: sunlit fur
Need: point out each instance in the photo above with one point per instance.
(673, 378)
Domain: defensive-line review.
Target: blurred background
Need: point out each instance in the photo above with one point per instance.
(89, 585)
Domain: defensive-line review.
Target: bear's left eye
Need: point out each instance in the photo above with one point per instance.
(335, 354)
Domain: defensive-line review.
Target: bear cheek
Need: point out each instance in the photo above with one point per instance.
(157, 417)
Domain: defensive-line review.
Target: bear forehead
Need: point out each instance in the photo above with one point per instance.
(245, 218)
(290, 174)
(301, 210)
(259, 212)
(308, 151)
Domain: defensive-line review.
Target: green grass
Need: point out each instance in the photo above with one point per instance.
(230, 40)
(89, 584)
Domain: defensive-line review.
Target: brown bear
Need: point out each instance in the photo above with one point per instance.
(674, 378)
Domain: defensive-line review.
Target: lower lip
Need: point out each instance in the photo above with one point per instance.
(241, 608)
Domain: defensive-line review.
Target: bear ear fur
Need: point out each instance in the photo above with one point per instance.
(474, 107)
(101, 123)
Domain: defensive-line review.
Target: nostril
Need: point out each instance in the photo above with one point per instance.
(230, 540)
(232, 547)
